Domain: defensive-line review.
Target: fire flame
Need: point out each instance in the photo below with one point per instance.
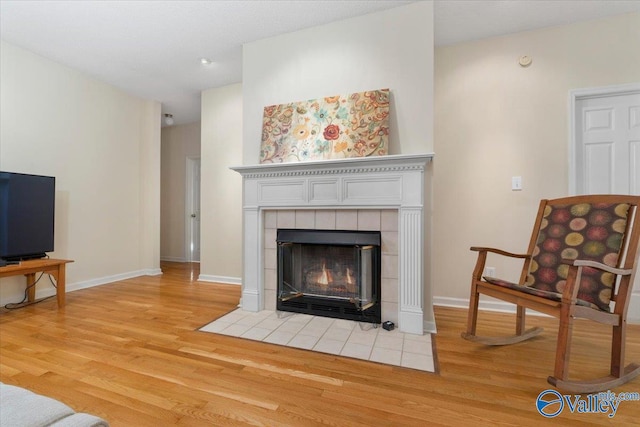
(325, 277)
(349, 278)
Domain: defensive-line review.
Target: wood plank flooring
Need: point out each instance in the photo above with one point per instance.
(130, 352)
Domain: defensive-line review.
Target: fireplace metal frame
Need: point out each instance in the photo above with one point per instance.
(327, 306)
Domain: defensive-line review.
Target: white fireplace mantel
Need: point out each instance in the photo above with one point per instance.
(383, 182)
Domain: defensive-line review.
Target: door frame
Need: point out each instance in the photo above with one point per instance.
(189, 186)
(576, 95)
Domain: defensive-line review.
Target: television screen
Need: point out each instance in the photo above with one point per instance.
(27, 208)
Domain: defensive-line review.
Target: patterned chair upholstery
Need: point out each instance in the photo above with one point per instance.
(569, 232)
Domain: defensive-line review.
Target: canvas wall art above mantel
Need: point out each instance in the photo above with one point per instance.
(334, 127)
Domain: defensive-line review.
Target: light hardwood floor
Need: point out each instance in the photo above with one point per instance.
(130, 352)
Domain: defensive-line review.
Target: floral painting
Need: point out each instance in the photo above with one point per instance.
(354, 125)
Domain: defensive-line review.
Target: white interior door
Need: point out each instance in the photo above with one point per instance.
(193, 210)
(607, 148)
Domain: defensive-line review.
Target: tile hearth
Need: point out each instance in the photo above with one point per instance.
(326, 335)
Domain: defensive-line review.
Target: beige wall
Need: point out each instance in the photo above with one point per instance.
(389, 49)
(495, 119)
(149, 189)
(178, 143)
(102, 145)
(221, 188)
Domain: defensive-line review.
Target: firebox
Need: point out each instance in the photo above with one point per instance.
(330, 273)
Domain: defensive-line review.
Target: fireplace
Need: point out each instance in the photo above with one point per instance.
(330, 273)
(392, 182)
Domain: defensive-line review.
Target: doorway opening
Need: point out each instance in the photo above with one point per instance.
(192, 212)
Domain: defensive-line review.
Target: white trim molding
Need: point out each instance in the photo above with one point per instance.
(173, 259)
(70, 287)
(152, 272)
(633, 315)
(430, 327)
(226, 280)
(382, 182)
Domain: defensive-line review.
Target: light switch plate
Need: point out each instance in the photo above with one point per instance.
(516, 183)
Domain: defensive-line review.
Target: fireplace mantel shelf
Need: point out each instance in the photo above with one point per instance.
(381, 182)
(348, 165)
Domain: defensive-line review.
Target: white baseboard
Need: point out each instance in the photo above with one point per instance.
(152, 272)
(114, 278)
(70, 287)
(430, 327)
(220, 279)
(493, 305)
(633, 315)
(173, 259)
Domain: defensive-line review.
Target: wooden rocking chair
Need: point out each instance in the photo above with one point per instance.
(581, 260)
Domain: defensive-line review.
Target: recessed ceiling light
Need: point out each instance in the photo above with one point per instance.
(205, 61)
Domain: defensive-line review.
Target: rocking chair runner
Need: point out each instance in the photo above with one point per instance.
(581, 259)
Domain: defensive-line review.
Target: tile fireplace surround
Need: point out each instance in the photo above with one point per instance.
(384, 193)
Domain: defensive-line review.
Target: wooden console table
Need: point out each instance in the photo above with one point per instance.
(55, 267)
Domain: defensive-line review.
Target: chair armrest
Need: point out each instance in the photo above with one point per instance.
(499, 252)
(482, 258)
(598, 265)
(570, 292)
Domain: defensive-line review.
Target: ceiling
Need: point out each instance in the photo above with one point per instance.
(152, 49)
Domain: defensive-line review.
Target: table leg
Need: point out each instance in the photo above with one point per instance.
(31, 289)
(61, 285)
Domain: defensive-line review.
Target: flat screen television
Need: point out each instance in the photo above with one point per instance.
(27, 213)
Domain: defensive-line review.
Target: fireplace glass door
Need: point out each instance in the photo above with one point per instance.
(330, 273)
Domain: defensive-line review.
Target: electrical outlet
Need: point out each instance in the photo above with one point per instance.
(490, 271)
